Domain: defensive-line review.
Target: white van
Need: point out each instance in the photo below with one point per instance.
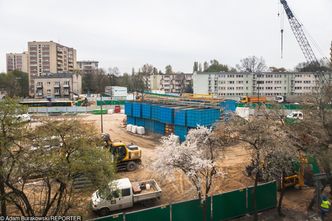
(295, 115)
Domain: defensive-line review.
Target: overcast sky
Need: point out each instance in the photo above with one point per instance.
(130, 33)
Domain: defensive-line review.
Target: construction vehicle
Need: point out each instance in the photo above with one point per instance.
(127, 157)
(302, 39)
(280, 99)
(302, 174)
(124, 194)
(304, 170)
(248, 99)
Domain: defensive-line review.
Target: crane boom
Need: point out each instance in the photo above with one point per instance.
(300, 35)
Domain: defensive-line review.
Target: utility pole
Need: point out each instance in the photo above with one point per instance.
(101, 114)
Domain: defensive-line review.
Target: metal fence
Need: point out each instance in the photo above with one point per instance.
(71, 109)
(219, 207)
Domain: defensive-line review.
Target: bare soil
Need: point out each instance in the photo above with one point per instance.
(173, 190)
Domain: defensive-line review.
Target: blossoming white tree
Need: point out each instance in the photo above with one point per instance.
(195, 158)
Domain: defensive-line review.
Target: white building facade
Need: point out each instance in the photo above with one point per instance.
(233, 84)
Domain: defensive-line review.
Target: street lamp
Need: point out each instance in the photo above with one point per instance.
(101, 114)
(258, 87)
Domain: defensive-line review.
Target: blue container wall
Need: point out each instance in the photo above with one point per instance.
(155, 112)
(180, 117)
(229, 105)
(159, 128)
(202, 117)
(129, 109)
(131, 120)
(166, 115)
(154, 117)
(146, 111)
(181, 131)
(140, 122)
(137, 110)
(149, 125)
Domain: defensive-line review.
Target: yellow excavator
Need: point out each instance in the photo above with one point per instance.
(127, 157)
(302, 177)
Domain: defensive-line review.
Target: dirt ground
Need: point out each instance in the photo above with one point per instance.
(179, 189)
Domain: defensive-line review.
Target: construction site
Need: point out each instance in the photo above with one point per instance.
(248, 144)
(234, 163)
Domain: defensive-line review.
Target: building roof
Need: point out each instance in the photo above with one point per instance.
(265, 72)
(87, 61)
(55, 75)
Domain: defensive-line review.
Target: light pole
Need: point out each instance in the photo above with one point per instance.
(258, 86)
(101, 114)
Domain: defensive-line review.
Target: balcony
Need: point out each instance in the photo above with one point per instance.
(66, 86)
(57, 93)
(56, 85)
(39, 86)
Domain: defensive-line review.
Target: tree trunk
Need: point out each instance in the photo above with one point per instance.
(313, 200)
(2, 195)
(281, 196)
(255, 218)
(282, 193)
(204, 210)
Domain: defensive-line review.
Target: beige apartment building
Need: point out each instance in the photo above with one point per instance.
(170, 83)
(57, 85)
(49, 57)
(17, 61)
(87, 67)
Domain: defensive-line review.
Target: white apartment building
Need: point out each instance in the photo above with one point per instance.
(233, 84)
(57, 85)
(170, 83)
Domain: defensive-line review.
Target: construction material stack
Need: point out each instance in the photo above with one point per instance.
(166, 119)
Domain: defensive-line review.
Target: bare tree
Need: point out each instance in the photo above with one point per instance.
(266, 141)
(114, 71)
(12, 133)
(195, 158)
(252, 64)
(314, 133)
(169, 69)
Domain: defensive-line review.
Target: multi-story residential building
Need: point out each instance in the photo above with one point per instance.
(87, 67)
(170, 83)
(236, 84)
(17, 61)
(57, 85)
(49, 57)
